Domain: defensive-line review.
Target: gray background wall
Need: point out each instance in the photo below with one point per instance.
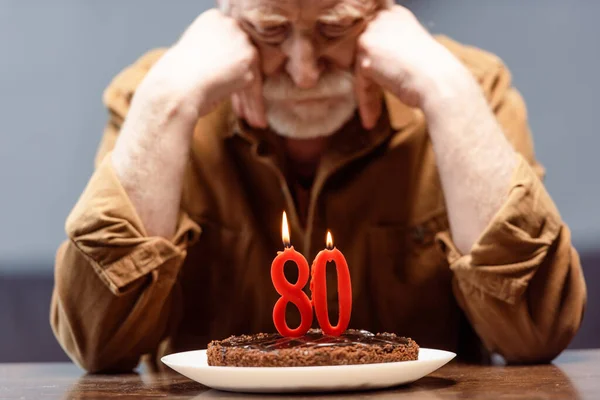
(57, 56)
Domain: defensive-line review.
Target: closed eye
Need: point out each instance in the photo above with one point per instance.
(334, 30)
(268, 33)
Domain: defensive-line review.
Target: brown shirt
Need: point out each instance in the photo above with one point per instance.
(120, 294)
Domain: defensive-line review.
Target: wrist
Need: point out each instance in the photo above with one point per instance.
(159, 127)
(449, 87)
(165, 101)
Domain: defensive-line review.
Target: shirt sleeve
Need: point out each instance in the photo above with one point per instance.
(105, 227)
(521, 285)
(504, 259)
(113, 298)
(114, 294)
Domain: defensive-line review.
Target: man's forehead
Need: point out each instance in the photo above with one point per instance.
(292, 8)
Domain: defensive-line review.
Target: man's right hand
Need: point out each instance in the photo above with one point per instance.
(213, 60)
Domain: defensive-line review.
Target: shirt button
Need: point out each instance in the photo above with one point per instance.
(418, 234)
(262, 149)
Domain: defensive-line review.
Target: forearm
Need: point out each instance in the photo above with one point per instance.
(151, 154)
(150, 158)
(475, 160)
(113, 283)
(521, 285)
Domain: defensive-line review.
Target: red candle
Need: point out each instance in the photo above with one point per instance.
(318, 287)
(290, 293)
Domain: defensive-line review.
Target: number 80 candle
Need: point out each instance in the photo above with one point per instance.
(293, 293)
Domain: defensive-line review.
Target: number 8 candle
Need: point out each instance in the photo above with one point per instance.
(290, 293)
(318, 287)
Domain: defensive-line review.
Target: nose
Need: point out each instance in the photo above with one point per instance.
(303, 62)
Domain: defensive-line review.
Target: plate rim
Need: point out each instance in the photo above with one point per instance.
(449, 355)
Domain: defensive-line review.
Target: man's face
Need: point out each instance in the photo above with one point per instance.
(307, 50)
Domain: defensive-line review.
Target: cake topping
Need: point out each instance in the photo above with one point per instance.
(314, 338)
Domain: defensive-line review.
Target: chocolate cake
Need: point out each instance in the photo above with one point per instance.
(312, 349)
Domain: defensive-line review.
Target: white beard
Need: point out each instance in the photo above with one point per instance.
(311, 120)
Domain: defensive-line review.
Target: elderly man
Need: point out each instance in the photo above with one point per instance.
(413, 150)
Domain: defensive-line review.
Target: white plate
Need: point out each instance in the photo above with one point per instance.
(194, 365)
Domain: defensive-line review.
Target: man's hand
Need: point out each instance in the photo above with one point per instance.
(475, 161)
(397, 54)
(212, 61)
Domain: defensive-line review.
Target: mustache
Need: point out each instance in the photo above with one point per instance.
(331, 84)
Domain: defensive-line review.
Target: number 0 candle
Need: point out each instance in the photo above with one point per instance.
(290, 293)
(318, 287)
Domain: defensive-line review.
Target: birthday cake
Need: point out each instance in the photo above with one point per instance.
(302, 346)
(312, 349)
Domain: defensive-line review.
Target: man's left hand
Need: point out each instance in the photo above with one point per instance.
(398, 55)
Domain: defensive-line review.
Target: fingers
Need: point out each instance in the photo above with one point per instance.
(252, 102)
(365, 66)
(248, 102)
(387, 78)
(257, 100)
(369, 97)
(236, 105)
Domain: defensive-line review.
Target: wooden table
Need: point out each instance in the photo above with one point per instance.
(576, 374)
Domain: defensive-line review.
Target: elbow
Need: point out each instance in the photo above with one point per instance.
(535, 348)
(94, 361)
(548, 333)
(90, 358)
(95, 365)
(531, 356)
(532, 351)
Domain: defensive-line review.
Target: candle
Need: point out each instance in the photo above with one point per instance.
(318, 287)
(290, 293)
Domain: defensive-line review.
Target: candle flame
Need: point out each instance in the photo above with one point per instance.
(285, 231)
(329, 240)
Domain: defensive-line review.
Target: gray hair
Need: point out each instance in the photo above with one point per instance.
(225, 5)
